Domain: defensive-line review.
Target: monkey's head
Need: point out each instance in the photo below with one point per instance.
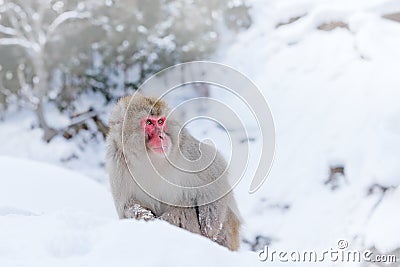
(145, 120)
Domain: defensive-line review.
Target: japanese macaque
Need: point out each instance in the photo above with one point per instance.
(158, 170)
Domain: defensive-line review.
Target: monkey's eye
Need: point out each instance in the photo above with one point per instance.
(160, 121)
(148, 122)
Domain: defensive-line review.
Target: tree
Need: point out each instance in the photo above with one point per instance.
(31, 25)
(57, 50)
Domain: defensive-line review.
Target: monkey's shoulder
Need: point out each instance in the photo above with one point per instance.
(194, 150)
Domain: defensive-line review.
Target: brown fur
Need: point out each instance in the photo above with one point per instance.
(232, 231)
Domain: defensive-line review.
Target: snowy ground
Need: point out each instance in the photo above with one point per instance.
(335, 99)
(50, 216)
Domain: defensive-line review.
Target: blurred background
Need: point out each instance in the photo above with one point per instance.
(328, 69)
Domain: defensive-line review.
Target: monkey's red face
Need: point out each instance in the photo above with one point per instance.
(155, 130)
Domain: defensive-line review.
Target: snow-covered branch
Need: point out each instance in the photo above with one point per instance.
(26, 89)
(20, 42)
(69, 15)
(3, 89)
(7, 30)
(18, 17)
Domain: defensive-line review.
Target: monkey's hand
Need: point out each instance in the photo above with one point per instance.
(136, 211)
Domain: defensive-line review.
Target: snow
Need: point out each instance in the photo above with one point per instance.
(52, 216)
(335, 99)
(381, 232)
(334, 96)
(40, 188)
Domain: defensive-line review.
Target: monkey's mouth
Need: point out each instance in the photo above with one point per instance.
(160, 150)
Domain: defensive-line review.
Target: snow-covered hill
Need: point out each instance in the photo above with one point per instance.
(334, 93)
(50, 216)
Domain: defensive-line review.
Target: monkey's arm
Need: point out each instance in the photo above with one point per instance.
(134, 210)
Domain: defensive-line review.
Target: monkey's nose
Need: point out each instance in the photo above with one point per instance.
(162, 138)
